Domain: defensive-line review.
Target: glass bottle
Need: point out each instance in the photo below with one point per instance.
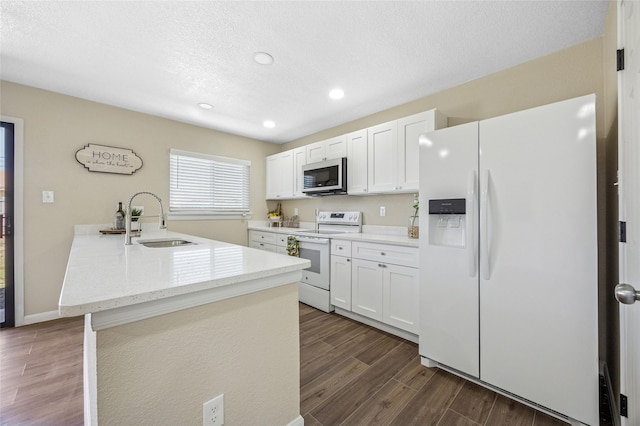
(119, 217)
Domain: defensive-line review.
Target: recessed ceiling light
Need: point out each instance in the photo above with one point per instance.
(263, 58)
(336, 94)
(204, 105)
(269, 124)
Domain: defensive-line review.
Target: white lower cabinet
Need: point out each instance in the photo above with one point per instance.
(268, 241)
(262, 240)
(382, 285)
(400, 297)
(340, 274)
(341, 282)
(366, 288)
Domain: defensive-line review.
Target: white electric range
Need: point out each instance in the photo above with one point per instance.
(314, 288)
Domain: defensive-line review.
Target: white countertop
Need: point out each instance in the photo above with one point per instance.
(279, 230)
(398, 240)
(103, 274)
(377, 236)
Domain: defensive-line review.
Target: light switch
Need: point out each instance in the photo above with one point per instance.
(47, 196)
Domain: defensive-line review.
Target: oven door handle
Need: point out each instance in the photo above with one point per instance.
(312, 240)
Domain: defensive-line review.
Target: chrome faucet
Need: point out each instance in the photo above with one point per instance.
(127, 220)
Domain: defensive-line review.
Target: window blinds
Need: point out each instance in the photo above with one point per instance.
(203, 184)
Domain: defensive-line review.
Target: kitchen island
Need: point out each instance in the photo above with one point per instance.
(169, 328)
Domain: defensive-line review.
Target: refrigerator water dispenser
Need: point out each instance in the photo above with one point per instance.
(447, 222)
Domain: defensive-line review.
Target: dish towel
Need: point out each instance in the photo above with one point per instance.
(293, 246)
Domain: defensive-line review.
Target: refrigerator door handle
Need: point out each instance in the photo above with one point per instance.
(484, 226)
(471, 221)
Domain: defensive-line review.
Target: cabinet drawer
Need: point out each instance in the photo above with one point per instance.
(281, 240)
(263, 237)
(397, 255)
(262, 246)
(341, 248)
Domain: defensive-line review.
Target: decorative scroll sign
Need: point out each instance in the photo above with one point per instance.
(108, 159)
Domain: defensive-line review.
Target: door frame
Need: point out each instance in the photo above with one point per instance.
(629, 373)
(18, 236)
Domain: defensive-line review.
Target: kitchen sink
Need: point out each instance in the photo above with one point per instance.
(174, 242)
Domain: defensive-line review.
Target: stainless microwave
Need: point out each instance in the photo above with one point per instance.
(326, 177)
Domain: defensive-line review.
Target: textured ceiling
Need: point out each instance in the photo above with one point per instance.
(163, 58)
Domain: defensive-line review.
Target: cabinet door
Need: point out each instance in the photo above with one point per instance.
(381, 154)
(279, 177)
(357, 162)
(400, 297)
(315, 152)
(286, 174)
(408, 152)
(336, 147)
(299, 160)
(366, 288)
(341, 282)
(327, 149)
(273, 177)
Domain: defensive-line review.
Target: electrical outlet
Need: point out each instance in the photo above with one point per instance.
(47, 196)
(213, 412)
(383, 211)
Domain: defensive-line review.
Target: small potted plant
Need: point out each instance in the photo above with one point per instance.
(135, 216)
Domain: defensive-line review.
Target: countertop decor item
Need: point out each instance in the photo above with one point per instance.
(108, 159)
(112, 231)
(414, 229)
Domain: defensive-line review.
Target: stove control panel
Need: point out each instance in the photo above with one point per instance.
(341, 218)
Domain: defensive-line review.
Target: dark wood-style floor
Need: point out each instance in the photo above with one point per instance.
(351, 374)
(41, 373)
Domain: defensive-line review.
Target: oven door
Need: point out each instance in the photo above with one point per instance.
(316, 250)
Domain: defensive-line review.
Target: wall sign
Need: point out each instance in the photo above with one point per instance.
(108, 159)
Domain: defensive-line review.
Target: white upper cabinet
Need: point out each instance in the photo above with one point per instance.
(357, 162)
(383, 159)
(327, 149)
(381, 147)
(280, 176)
(407, 155)
(299, 160)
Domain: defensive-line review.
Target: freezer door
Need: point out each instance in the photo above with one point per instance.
(448, 267)
(538, 288)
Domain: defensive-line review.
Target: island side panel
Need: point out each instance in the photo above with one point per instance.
(161, 370)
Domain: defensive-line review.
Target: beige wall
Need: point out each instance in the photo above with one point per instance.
(55, 127)
(160, 371)
(568, 73)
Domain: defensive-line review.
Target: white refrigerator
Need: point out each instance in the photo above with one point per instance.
(508, 255)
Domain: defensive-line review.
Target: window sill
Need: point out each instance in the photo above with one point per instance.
(209, 216)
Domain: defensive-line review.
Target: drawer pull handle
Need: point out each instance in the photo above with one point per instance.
(383, 253)
(382, 265)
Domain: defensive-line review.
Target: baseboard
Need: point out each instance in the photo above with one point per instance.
(377, 324)
(41, 317)
(298, 421)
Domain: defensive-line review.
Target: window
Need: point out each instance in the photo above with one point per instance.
(203, 185)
